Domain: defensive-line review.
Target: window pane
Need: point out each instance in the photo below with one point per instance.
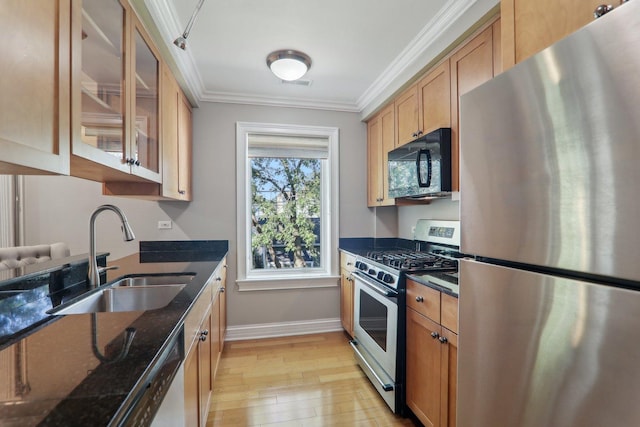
(285, 212)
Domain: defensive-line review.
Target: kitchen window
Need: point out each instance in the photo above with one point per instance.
(287, 206)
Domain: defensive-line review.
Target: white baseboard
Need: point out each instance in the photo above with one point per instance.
(283, 329)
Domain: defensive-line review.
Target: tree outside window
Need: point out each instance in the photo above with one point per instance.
(285, 212)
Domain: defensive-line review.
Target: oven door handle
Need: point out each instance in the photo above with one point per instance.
(385, 387)
(379, 289)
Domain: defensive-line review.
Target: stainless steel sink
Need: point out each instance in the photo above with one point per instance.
(154, 280)
(133, 293)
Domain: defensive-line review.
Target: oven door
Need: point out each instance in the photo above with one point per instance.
(376, 323)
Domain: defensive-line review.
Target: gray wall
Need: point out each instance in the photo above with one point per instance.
(58, 208)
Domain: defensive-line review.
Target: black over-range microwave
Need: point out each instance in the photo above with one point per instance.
(422, 167)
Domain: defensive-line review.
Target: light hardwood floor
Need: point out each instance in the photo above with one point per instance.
(309, 380)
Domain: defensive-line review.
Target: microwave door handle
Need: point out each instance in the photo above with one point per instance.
(427, 153)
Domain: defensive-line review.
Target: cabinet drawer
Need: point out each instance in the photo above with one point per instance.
(450, 312)
(424, 300)
(194, 318)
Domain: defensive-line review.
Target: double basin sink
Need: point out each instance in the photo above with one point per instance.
(131, 293)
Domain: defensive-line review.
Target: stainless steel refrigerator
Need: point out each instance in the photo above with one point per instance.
(550, 208)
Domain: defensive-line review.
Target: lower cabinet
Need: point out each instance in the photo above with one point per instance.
(346, 301)
(347, 265)
(205, 329)
(432, 355)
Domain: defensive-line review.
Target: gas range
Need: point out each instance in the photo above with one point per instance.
(379, 281)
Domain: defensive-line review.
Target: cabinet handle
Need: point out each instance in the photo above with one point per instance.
(602, 10)
(414, 134)
(419, 133)
(419, 299)
(349, 263)
(443, 340)
(435, 335)
(222, 290)
(181, 191)
(203, 335)
(218, 279)
(137, 162)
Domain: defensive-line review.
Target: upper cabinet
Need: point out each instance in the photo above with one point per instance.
(380, 140)
(176, 141)
(424, 106)
(36, 80)
(530, 26)
(432, 103)
(471, 65)
(116, 96)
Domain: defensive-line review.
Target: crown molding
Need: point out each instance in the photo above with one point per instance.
(412, 55)
(255, 99)
(164, 16)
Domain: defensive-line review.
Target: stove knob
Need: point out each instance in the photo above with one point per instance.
(363, 266)
(358, 264)
(372, 272)
(387, 278)
(380, 275)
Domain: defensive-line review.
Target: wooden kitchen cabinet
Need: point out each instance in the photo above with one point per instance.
(407, 116)
(432, 354)
(347, 266)
(434, 98)
(471, 65)
(176, 142)
(205, 328)
(380, 140)
(425, 106)
(530, 26)
(115, 96)
(35, 59)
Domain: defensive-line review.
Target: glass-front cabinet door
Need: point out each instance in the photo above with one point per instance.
(146, 83)
(115, 117)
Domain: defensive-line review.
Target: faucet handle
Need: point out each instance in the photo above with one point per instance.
(103, 269)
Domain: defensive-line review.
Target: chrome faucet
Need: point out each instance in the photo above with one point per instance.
(94, 272)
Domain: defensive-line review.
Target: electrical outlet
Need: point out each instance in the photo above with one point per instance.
(413, 230)
(163, 225)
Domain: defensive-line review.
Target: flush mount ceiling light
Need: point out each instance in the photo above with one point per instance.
(181, 41)
(288, 65)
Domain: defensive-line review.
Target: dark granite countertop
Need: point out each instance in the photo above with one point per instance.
(52, 376)
(362, 245)
(438, 285)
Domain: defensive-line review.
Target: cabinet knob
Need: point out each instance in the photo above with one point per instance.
(414, 134)
(419, 133)
(181, 191)
(435, 335)
(203, 335)
(218, 279)
(443, 340)
(136, 162)
(419, 299)
(602, 10)
(222, 289)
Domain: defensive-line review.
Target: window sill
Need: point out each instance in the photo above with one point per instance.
(279, 283)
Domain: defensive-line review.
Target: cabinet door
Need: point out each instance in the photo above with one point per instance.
(387, 124)
(170, 97)
(471, 66)
(423, 368)
(185, 142)
(205, 382)
(449, 385)
(434, 91)
(530, 26)
(374, 172)
(144, 150)
(191, 388)
(407, 117)
(100, 94)
(35, 104)
(216, 347)
(346, 301)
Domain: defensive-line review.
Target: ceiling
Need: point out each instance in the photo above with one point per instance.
(362, 51)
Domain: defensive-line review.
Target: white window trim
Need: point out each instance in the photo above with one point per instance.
(324, 277)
